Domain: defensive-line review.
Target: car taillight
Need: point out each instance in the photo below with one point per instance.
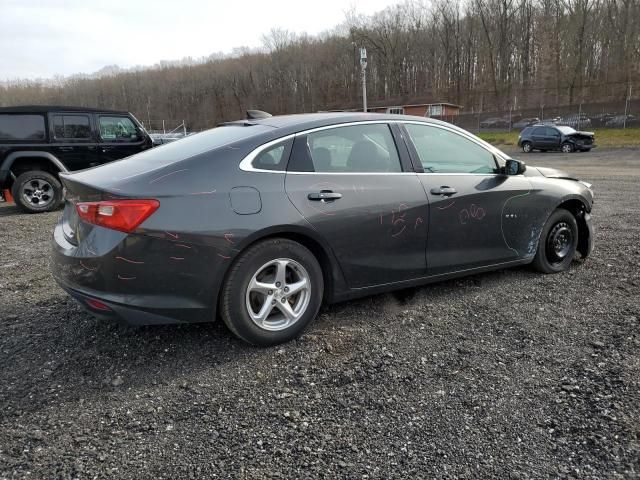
(122, 215)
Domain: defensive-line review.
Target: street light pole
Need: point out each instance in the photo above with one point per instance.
(363, 65)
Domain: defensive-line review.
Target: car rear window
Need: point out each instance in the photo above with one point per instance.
(182, 149)
(22, 127)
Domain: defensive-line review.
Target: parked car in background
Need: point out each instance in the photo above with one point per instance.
(550, 121)
(37, 143)
(601, 119)
(525, 122)
(495, 122)
(263, 220)
(551, 137)
(620, 121)
(577, 121)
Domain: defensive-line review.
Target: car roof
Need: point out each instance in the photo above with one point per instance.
(305, 121)
(55, 108)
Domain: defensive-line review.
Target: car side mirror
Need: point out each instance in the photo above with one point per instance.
(514, 167)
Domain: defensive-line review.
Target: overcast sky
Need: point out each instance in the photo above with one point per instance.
(43, 38)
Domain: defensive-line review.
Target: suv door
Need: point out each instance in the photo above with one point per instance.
(552, 138)
(73, 140)
(476, 216)
(538, 137)
(119, 137)
(349, 183)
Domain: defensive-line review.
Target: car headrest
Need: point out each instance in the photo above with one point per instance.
(364, 156)
(321, 159)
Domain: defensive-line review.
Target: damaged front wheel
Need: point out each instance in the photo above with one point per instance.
(557, 244)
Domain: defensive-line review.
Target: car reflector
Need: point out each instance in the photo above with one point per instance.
(122, 215)
(98, 305)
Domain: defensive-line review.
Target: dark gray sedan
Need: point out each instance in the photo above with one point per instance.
(261, 221)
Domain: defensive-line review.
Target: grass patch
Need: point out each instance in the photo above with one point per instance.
(605, 137)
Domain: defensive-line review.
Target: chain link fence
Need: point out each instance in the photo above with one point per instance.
(582, 116)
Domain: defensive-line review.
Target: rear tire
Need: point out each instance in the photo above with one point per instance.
(272, 292)
(527, 147)
(557, 244)
(37, 191)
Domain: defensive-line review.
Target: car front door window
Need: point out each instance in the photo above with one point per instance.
(442, 151)
(118, 129)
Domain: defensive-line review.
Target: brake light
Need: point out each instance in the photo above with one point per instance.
(122, 215)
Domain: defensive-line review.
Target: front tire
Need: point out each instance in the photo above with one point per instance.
(557, 244)
(527, 147)
(566, 148)
(37, 191)
(272, 292)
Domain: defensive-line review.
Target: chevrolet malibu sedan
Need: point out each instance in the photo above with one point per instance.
(260, 222)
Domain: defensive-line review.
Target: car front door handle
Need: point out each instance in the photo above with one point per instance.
(324, 195)
(446, 191)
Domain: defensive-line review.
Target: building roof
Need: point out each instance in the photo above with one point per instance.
(54, 108)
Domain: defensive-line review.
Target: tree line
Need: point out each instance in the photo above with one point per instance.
(481, 54)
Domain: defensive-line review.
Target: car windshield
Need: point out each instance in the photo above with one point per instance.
(566, 130)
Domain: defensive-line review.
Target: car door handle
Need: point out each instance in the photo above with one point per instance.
(324, 195)
(66, 149)
(446, 191)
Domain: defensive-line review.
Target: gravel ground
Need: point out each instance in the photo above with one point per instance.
(510, 374)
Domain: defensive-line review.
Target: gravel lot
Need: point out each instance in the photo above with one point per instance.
(510, 374)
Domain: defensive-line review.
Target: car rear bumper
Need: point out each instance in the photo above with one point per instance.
(109, 287)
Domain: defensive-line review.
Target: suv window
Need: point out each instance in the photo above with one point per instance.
(538, 131)
(552, 132)
(22, 127)
(443, 151)
(70, 127)
(118, 129)
(367, 148)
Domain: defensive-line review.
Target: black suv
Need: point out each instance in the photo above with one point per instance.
(37, 143)
(553, 137)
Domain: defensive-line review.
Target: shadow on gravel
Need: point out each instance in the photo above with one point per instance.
(7, 210)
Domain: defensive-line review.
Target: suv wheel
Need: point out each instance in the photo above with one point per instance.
(37, 191)
(272, 292)
(527, 147)
(567, 148)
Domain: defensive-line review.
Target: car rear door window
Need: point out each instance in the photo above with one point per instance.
(367, 148)
(71, 127)
(538, 131)
(443, 151)
(118, 129)
(22, 127)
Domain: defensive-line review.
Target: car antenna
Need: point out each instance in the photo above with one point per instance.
(257, 114)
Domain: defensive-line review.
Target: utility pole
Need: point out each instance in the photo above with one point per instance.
(363, 65)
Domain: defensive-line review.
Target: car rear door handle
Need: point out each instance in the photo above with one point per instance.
(324, 195)
(444, 190)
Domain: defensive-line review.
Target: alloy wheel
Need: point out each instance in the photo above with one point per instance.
(37, 192)
(278, 294)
